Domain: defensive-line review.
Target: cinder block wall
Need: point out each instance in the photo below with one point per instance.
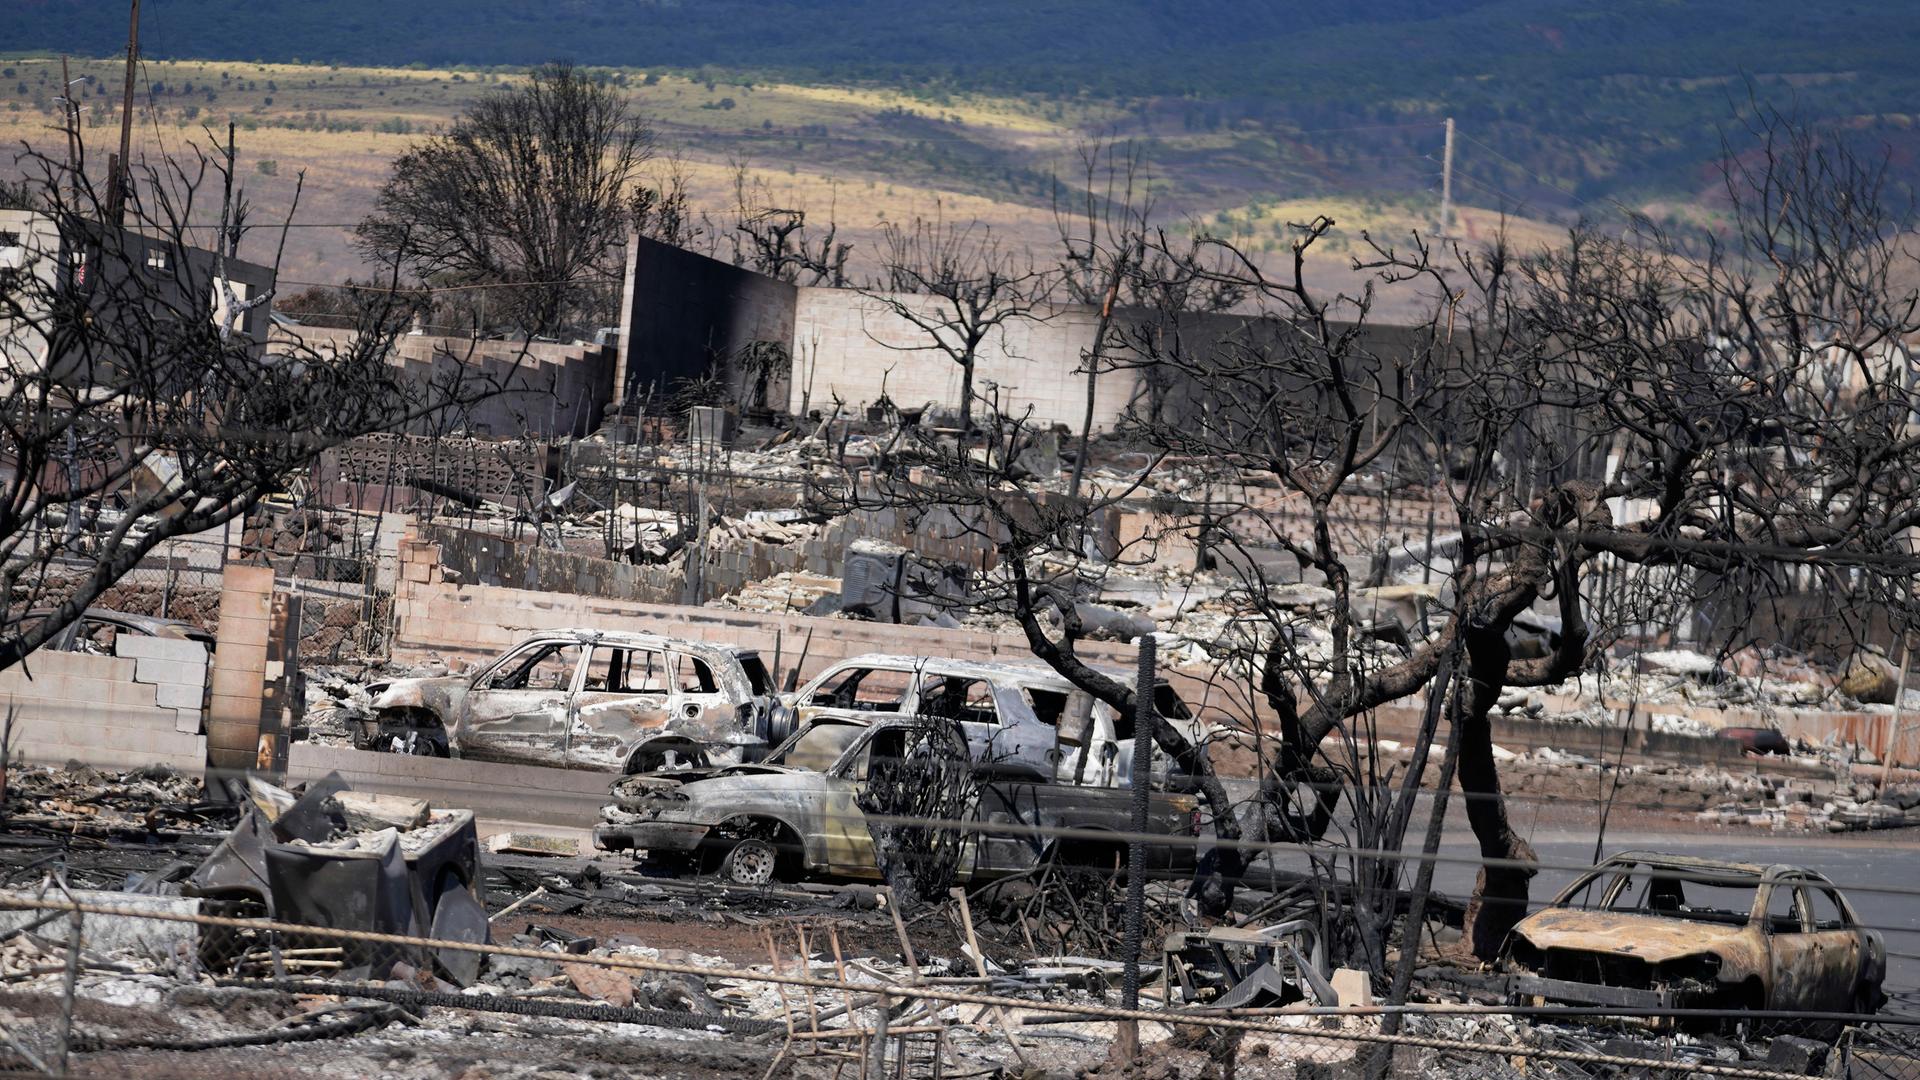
(108, 711)
(477, 622)
(240, 666)
(848, 344)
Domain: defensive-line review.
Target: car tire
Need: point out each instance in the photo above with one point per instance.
(752, 861)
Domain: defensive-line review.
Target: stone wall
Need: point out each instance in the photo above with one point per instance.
(112, 712)
(733, 561)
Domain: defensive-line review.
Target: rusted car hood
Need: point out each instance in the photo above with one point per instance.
(1649, 937)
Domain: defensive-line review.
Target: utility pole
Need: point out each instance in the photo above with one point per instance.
(1446, 184)
(73, 123)
(117, 183)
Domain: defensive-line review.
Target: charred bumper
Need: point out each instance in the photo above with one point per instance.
(1566, 991)
(656, 838)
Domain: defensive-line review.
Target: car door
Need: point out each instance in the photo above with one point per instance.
(848, 841)
(858, 691)
(1838, 948)
(1791, 949)
(517, 710)
(623, 699)
(700, 707)
(972, 704)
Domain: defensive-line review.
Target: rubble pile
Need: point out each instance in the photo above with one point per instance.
(77, 799)
(782, 593)
(1820, 805)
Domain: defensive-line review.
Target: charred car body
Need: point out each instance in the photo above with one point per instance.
(801, 813)
(583, 699)
(1021, 721)
(1649, 931)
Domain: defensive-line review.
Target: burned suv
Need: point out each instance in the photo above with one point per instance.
(583, 699)
(1020, 720)
(1650, 931)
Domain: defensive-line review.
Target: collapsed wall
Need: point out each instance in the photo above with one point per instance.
(140, 708)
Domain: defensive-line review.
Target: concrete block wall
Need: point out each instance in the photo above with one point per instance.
(848, 344)
(473, 623)
(1169, 539)
(492, 789)
(176, 669)
(546, 388)
(96, 709)
(239, 666)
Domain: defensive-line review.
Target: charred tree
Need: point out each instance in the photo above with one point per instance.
(140, 398)
(534, 187)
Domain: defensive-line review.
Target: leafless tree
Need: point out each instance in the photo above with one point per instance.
(955, 287)
(776, 240)
(1754, 396)
(662, 208)
(138, 400)
(534, 186)
(1114, 256)
(1713, 424)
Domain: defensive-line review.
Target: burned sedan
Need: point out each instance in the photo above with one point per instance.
(1649, 931)
(800, 814)
(582, 699)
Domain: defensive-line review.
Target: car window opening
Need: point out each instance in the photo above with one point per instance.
(1670, 894)
(757, 677)
(818, 746)
(696, 677)
(968, 701)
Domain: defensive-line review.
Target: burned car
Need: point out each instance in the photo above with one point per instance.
(1020, 720)
(1650, 931)
(582, 699)
(97, 628)
(800, 814)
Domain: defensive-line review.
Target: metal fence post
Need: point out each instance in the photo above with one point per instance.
(1142, 781)
(67, 989)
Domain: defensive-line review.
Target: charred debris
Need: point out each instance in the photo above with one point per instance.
(934, 821)
(1230, 708)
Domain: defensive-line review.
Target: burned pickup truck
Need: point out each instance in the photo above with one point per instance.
(802, 813)
(583, 699)
(1655, 932)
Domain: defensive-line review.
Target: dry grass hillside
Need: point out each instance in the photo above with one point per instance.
(852, 156)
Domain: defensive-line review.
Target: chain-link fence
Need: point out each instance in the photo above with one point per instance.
(90, 985)
(345, 585)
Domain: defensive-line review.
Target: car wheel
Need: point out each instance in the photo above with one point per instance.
(751, 862)
(419, 744)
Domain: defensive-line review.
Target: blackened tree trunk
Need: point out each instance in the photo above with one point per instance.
(1500, 892)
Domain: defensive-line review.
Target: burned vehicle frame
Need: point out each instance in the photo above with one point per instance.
(1649, 933)
(1021, 721)
(583, 699)
(801, 814)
